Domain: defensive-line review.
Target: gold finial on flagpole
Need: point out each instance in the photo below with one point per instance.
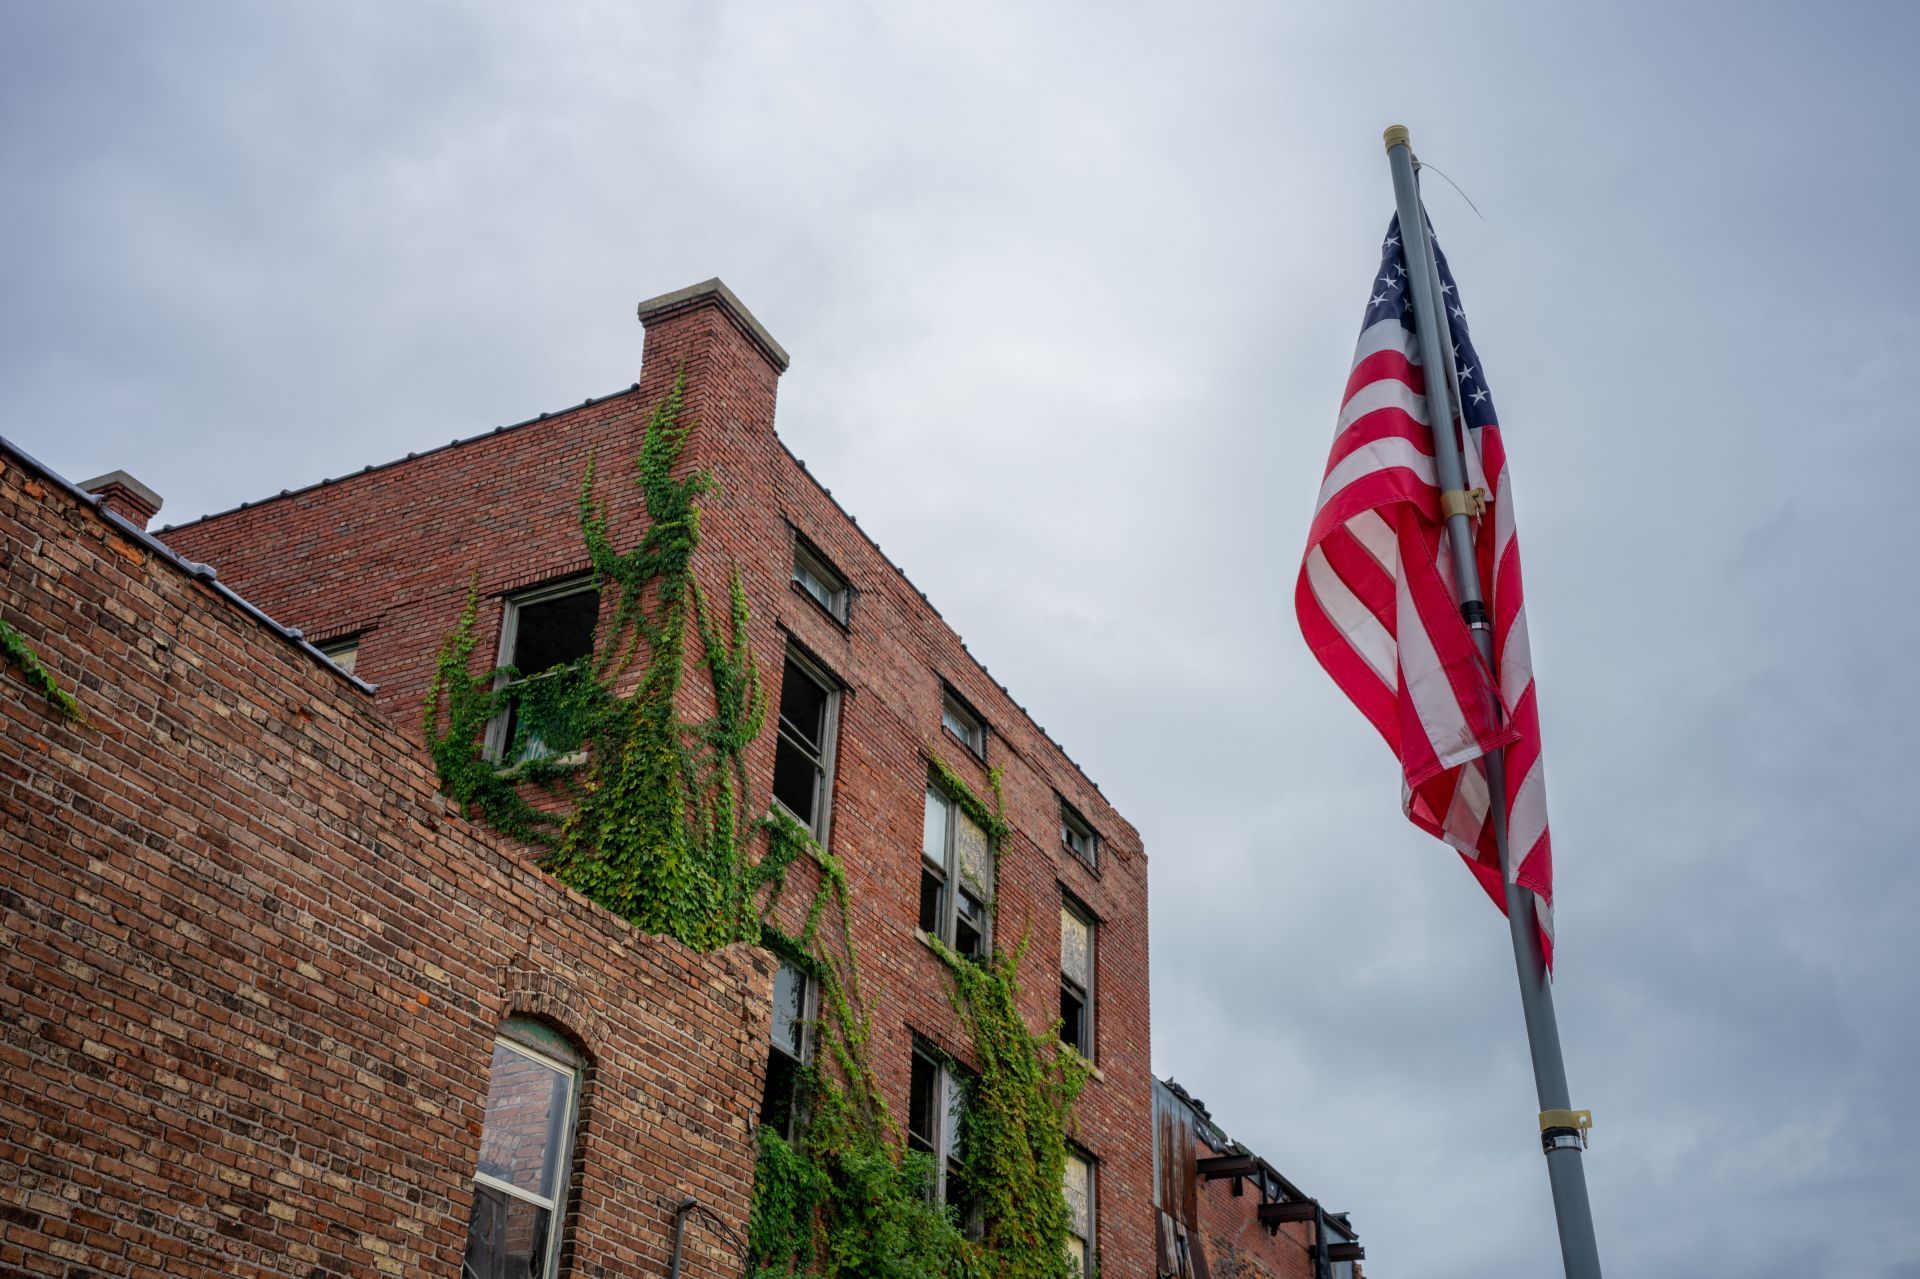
(1397, 136)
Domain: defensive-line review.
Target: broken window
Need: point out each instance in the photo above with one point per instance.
(818, 580)
(956, 877)
(960, 720)
(803, 752)
(525, 1147)
(1077, 1179)
(1077, 837)
(936, 1114)
(546, 640)
(788, 1050)
(1076, 977)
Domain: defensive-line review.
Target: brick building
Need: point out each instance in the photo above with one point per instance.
(258, 976)
(871, 688)
(1223, 1212)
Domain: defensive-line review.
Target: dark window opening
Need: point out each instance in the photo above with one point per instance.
(1073, 1017)
(936, 1125)
(787, 1052)
(801, 756)
(552, 632)
(933, 901)
(970, 926)
(922, 1105)
(777, 1102)
(545, 634)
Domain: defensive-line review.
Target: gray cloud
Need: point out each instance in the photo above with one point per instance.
(1071, 294)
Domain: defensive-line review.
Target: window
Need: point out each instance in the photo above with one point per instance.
(956, 877)
(958, 718)
(1077, 837)
(544, 634)
(936, 1121)
(341, 652)
(803, 753)
(1078, 1187)
(813, 575)
(525, 1146)
(1076, 977)
(788, 1051)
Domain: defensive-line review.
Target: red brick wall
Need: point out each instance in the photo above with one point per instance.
(393, 549)
(253, 966)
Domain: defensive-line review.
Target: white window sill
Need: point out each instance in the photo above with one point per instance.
(1092, 1069)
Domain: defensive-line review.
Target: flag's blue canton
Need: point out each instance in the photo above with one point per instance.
(1392, 297)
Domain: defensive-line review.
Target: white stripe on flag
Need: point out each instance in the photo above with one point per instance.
(1467, 815)
(1352, 618)
(1386, 335)
(1374, 533)
(1380, 455)
(1528, 819)
(1516, 663)
(1386, 393)
(1424, 681)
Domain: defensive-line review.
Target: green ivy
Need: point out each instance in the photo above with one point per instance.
(20, 655)
(1019, 1111)
(649, 814)
(849, 1199)
(464, 703)
(651, 820)
(992, 820)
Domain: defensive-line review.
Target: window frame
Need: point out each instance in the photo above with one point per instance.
(955, 707)
(839, 602)
(948, 924)
(809, 1014)
(949, 1107)
(1089, 1036)
(1090, 1242)
(559, 1160)
(821, 827)
(339, 646)
(1072, 822)
(494, 745)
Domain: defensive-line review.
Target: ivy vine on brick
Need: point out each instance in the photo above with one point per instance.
(34, 673)
(649, 814)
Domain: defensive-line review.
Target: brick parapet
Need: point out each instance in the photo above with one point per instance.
(254, 965)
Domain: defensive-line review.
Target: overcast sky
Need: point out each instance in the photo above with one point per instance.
(1071, 293)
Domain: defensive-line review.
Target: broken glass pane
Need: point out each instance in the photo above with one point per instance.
(1076, 948)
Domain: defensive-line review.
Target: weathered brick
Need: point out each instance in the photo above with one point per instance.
(255, 825)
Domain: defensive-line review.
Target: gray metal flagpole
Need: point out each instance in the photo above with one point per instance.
(1560, 1129)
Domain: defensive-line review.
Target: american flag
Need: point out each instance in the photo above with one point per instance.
(1376, 597)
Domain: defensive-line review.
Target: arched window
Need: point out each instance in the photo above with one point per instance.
(520, 1187)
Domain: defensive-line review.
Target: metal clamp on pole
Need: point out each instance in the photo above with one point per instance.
(1469, 502)
(1564, 1129)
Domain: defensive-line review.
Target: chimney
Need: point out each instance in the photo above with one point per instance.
(732, 364)
(124, 496)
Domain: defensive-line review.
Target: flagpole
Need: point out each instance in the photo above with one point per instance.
(1559, 1136)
